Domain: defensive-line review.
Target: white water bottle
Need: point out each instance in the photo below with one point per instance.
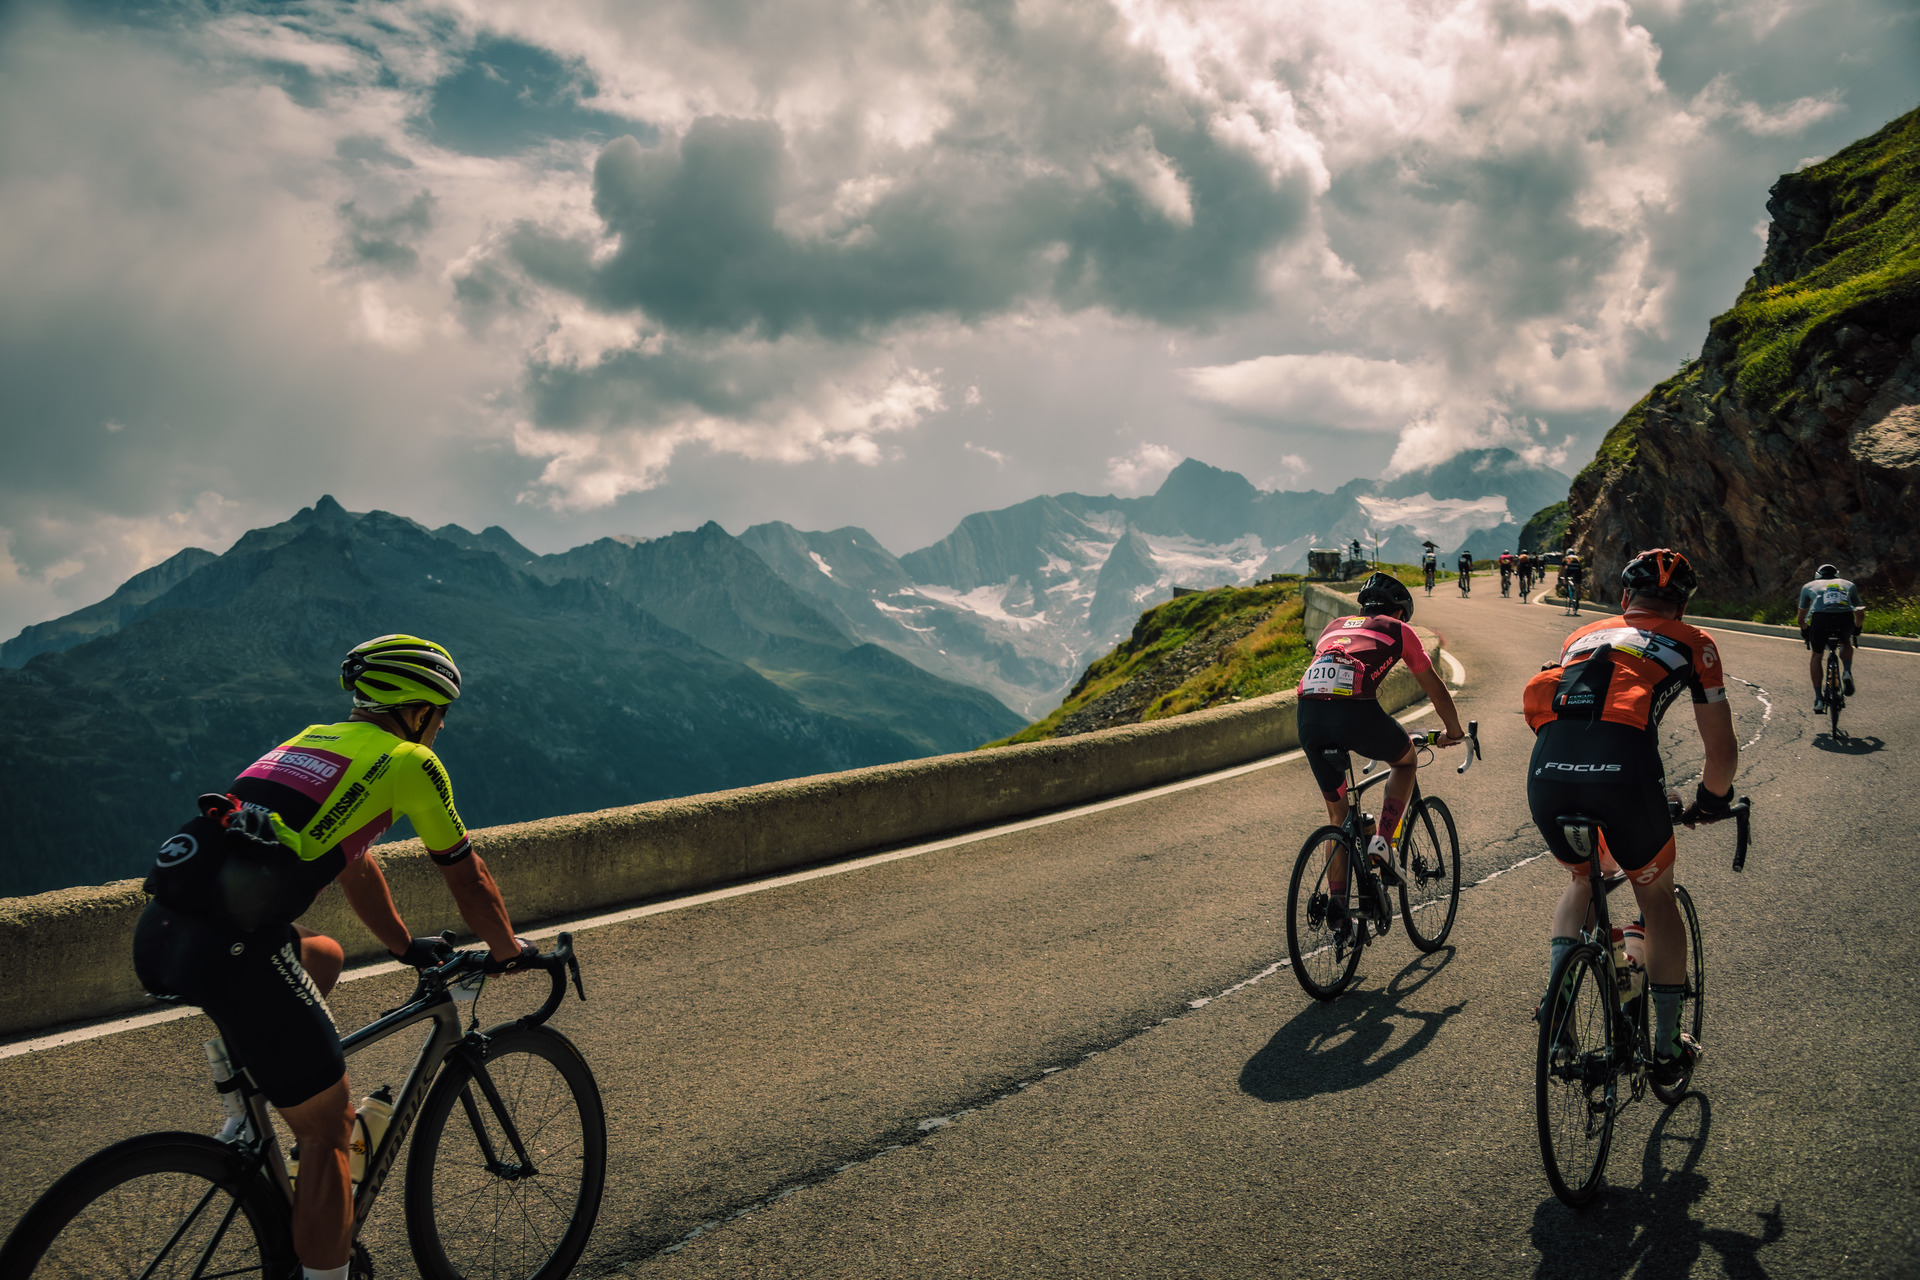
(370, 1123)
(223, 1079)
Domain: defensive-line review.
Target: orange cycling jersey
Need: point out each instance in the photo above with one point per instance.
(1626, 671)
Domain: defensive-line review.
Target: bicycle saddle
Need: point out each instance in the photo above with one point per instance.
(1583, 836)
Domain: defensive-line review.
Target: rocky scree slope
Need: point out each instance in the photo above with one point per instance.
(1794, 438)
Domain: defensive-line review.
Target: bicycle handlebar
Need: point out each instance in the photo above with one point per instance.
(1740, 811)
(1471, 738)
(560, 964)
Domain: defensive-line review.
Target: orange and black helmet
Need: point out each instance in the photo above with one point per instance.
(1660, 573)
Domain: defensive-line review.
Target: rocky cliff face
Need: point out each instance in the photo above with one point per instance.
(1795, 437)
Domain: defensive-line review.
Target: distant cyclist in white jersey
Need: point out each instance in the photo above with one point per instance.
(1830, 607)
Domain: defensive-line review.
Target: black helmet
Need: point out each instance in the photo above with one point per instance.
(1383, 591)
(1660, 573)
(1826, 571)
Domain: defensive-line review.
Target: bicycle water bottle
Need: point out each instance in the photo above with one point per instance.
(1629, 962)
(370, 1123)
(1636, 959)
(224, 1080)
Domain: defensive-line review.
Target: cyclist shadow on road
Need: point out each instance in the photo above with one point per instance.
(1326, 1048)
(1648, 1229)
(1847, 746)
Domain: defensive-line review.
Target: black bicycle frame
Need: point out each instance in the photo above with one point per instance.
(440, 996)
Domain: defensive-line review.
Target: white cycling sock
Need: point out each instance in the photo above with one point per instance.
(325, 1273)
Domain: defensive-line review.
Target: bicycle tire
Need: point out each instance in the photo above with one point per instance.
(1430, 872)
(153, 1205)
(1576, 1075)
(1835, 701)
(1693, 1008)
(465, 1217)
(1323, 963)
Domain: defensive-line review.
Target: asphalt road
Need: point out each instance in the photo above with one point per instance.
(1066, 1051)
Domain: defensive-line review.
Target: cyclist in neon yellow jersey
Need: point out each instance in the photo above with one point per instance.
(228, 886)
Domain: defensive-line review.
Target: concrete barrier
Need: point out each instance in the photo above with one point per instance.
(66, 954)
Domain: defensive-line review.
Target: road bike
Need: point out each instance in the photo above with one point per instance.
(1526, 586)
(503, 1179)
(1506, 582)
(1570, 596)
(1466, 582)
(1595, 1054)
(1834, 692)
(1337, 901)
(1429, 579)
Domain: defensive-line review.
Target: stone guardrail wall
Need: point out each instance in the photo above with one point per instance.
(66, 954)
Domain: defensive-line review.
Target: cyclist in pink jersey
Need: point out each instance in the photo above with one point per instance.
(1339, 709)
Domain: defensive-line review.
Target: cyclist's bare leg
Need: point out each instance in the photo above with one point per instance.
(1570, 917)
(1666, 935)
(323, 1199)
(321, 957)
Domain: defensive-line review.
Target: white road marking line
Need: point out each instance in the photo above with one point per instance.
(1453, 665)
(136, 1022)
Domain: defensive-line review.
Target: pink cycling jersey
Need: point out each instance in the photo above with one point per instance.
(1354, 655)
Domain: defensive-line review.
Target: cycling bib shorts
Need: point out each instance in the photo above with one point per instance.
(253, 986)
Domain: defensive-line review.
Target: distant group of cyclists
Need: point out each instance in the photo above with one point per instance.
(1527, 566)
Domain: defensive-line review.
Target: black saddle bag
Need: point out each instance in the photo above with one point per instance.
(206, 870)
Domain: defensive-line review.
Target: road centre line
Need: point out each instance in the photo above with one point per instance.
(136, 1022)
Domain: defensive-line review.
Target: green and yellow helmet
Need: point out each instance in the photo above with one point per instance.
(393, 671)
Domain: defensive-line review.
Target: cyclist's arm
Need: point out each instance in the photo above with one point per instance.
(481, 905)
(1442, 702)
(1801, 622)
(366, 888)
(1723, 747)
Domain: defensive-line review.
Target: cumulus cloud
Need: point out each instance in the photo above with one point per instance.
(1328, 389)
(613, 428)
(563, 251)
(1142, 469)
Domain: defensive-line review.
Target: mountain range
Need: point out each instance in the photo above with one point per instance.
(631, 669)
(618, 672)
(1018, 601)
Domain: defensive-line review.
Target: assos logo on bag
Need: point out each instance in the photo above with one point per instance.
(177, 850)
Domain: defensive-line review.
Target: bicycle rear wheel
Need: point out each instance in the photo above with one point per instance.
(1430, 873)
(163, 1205)
(1694, 1003)
(1576, 1075)
(505, 1175)
(1835, 699)
(1323, 927)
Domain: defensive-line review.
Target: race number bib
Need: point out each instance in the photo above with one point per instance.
(1329, 677)
(1835, 598)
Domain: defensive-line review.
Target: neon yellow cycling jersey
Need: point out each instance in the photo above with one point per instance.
(335, 788)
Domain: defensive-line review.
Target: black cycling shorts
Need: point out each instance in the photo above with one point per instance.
(1821, 626)
(253, 986)
(1607, 771)
(1341, 725)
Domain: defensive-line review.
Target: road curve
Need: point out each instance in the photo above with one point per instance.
(1065, 1050)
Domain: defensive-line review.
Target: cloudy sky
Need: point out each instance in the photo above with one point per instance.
(582, 267)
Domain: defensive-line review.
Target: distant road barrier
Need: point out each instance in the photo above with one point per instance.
(66, 954)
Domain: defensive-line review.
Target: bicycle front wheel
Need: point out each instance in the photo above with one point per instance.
(1694, 1002)
(1576, 1075)
(1430, 874)
(165, 1205)
(505, 1175)
(1323, 921)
